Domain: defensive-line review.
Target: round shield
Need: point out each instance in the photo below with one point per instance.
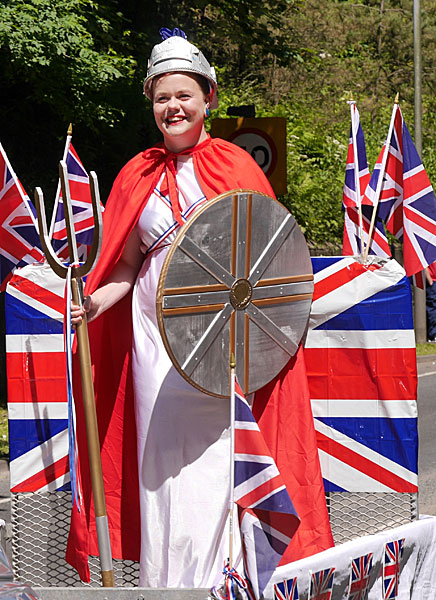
(237, 281)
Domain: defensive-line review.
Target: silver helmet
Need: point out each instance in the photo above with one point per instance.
(176, 54)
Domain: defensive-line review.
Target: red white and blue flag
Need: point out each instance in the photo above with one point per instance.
(286, 590)
(81, 205)
(407, 203)
(391, 568)
(360, 576)
(321, 584)
(267, 517)
(361, 365)
(357, 177)
(37, 398)
(19, 239)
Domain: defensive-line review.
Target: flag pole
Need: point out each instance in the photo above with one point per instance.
(23, 195)
(232, 456)
(58, 191)
(381, 176)
(352, 104)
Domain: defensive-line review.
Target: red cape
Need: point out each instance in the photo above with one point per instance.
(220, 167)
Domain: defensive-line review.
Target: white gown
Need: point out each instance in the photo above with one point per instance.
(183, 434)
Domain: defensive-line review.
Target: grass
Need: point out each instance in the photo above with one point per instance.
(4, 433)
(423, 349)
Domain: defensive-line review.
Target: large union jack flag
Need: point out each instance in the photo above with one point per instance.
(19, 239)
(406, 202)
(361, 365)
(81, 205)
(321, 584)
(357, 177)
(286, 590)
(267, 516)
(391, 568)
(359, 577)
(37, 399)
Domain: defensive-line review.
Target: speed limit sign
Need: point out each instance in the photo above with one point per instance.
(259, 144)
(264, 139)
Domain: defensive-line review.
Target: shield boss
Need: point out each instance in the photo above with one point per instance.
(237, 279)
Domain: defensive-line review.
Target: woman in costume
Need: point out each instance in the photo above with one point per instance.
(182, 435)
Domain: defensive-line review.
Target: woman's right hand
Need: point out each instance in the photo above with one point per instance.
(115, 287)
(78, 312)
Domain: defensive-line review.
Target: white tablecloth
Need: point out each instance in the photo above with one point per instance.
(417, 567)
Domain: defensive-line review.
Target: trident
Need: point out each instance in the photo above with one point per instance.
(77, 272)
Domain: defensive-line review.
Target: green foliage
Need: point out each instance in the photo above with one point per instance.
(67, 53)
(83, 61)
(315, 182)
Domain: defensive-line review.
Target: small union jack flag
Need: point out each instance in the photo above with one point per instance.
(406, 203)
(321, 584)
(286, 590)
(357, 177)
(81, 205)
(359, 577)
(391, 568)
(267, 517)
(19, 239)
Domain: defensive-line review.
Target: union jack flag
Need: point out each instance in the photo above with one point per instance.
(81, 204)
(361, 365)
(321, 584)
(267, 517)
(356, 179)
(37, 398)
(19, 237)
(359, 577)
(286, 590)
(407, 203)
(391, 568)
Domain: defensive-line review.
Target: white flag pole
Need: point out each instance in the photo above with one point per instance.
(25, 198)
(352, 104)
(381, 176)
(58, 191)
(232, 456)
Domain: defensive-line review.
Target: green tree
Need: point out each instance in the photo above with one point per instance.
(61, 61)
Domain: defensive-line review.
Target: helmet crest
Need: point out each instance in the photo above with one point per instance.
(165, 33)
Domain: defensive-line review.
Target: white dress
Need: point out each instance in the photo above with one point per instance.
(183, 434)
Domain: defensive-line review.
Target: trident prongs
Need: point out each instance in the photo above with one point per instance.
(55, 263)
(53, 260)
(68, 212)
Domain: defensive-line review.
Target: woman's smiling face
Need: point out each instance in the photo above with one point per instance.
(179, 105)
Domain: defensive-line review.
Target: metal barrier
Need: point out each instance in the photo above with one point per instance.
(355, 514)
(40, 524)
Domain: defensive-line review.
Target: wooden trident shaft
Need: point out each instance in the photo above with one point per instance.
(77, 272)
